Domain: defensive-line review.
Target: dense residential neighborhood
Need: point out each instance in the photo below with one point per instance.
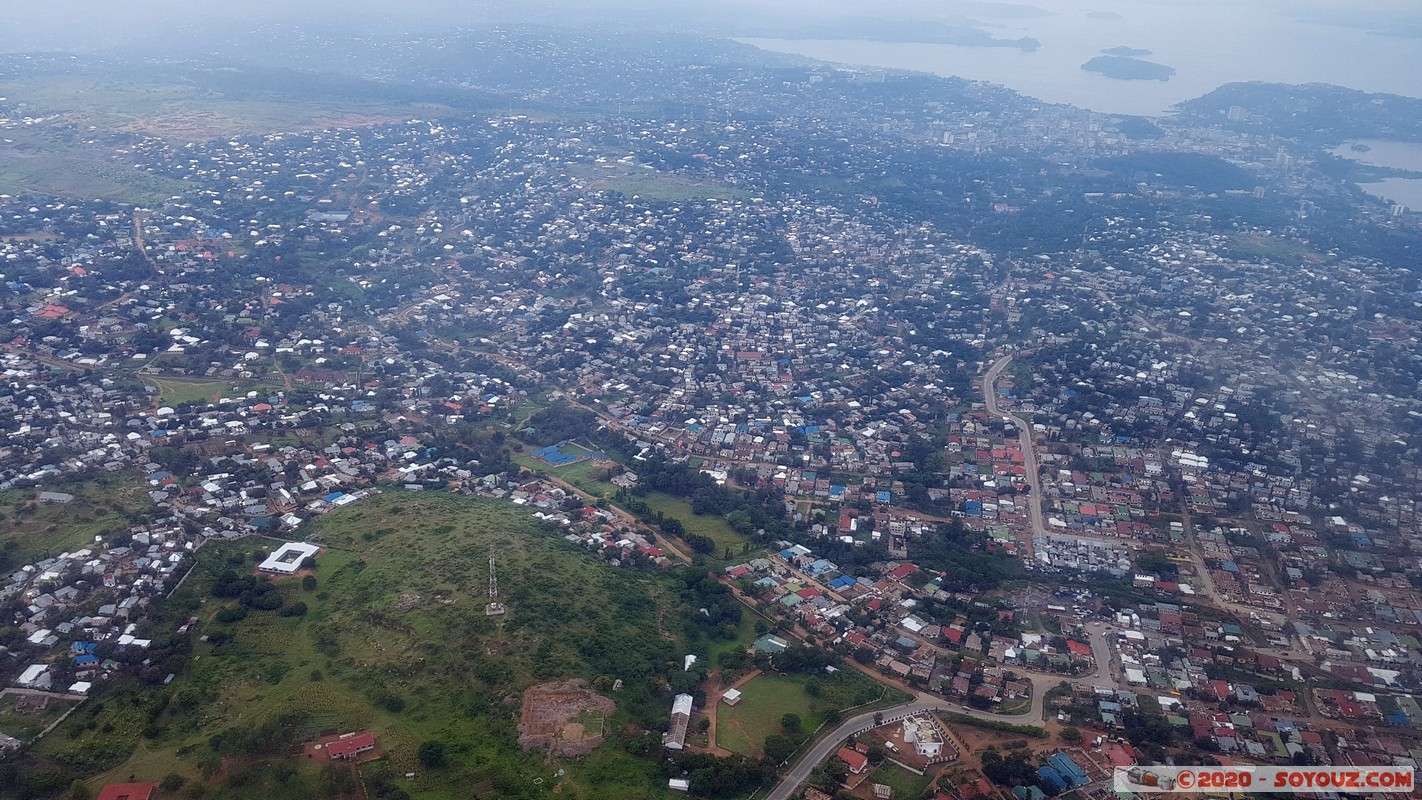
(819, 443)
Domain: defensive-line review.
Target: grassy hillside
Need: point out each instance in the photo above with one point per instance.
(30, 530)
(395, 639)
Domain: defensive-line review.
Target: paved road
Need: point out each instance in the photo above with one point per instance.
(801, 771)
(1104, 675)
(922, 703)
(1024, 438)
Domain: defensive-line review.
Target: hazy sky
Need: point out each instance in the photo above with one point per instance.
(115, 24)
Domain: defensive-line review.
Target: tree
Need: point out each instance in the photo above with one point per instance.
(1070, 735)
(79, 790)
(790, 724)
(778, 747)
(172, 782)
(432, 756)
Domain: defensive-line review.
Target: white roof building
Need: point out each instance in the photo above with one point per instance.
(33, 676)
(287, 560)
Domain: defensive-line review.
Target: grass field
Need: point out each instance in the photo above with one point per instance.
(905, 783)
(742, 728)
(706, 524)
(396, 641)
(49, 162)
(631, 179)
(1273, 248)
(27, 726)
(175, 391)
(30, 530)
(583, 474)
(174, 106)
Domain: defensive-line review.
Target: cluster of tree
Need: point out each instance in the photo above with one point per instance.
(271, 737)
(807, 659)
(1146, 724)
(480, 452)
(962, 557)
(252, 592)
(1158, 564)
(780, 746)
(713, 607)
(1014, 769)
(719, 777)
(558, 423)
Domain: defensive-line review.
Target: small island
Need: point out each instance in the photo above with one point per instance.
(1131, 52)
(1129, 69)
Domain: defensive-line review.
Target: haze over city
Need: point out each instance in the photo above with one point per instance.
(965, 401)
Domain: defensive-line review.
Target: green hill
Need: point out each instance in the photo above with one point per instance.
(394, 639)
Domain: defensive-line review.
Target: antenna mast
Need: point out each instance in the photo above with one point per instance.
(494, 608)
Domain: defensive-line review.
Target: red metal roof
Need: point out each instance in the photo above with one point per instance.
(351, 746)
(128, 791)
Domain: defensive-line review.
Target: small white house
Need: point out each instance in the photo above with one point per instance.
(731, 697)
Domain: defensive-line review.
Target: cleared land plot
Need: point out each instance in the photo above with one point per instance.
(176, 391)
(1273, 248)
(24, 717)
(563, 716)
(905, 783)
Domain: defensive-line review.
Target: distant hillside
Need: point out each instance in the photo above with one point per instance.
(1316, 113)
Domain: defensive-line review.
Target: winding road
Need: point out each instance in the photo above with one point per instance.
(1102, 676)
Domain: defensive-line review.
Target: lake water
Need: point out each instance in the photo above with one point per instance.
(1386, 153)
(1207, 43)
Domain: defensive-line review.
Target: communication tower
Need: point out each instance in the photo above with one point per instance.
(494, 608)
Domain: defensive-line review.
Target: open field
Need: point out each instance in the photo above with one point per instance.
(584, 474)
(1273, 248)
(190, 106)
(44, 161)
(742, 728)
(395, 640)
(905, 783)
(30, 529)
(176, 391)
(649, 184)
(704, 524)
